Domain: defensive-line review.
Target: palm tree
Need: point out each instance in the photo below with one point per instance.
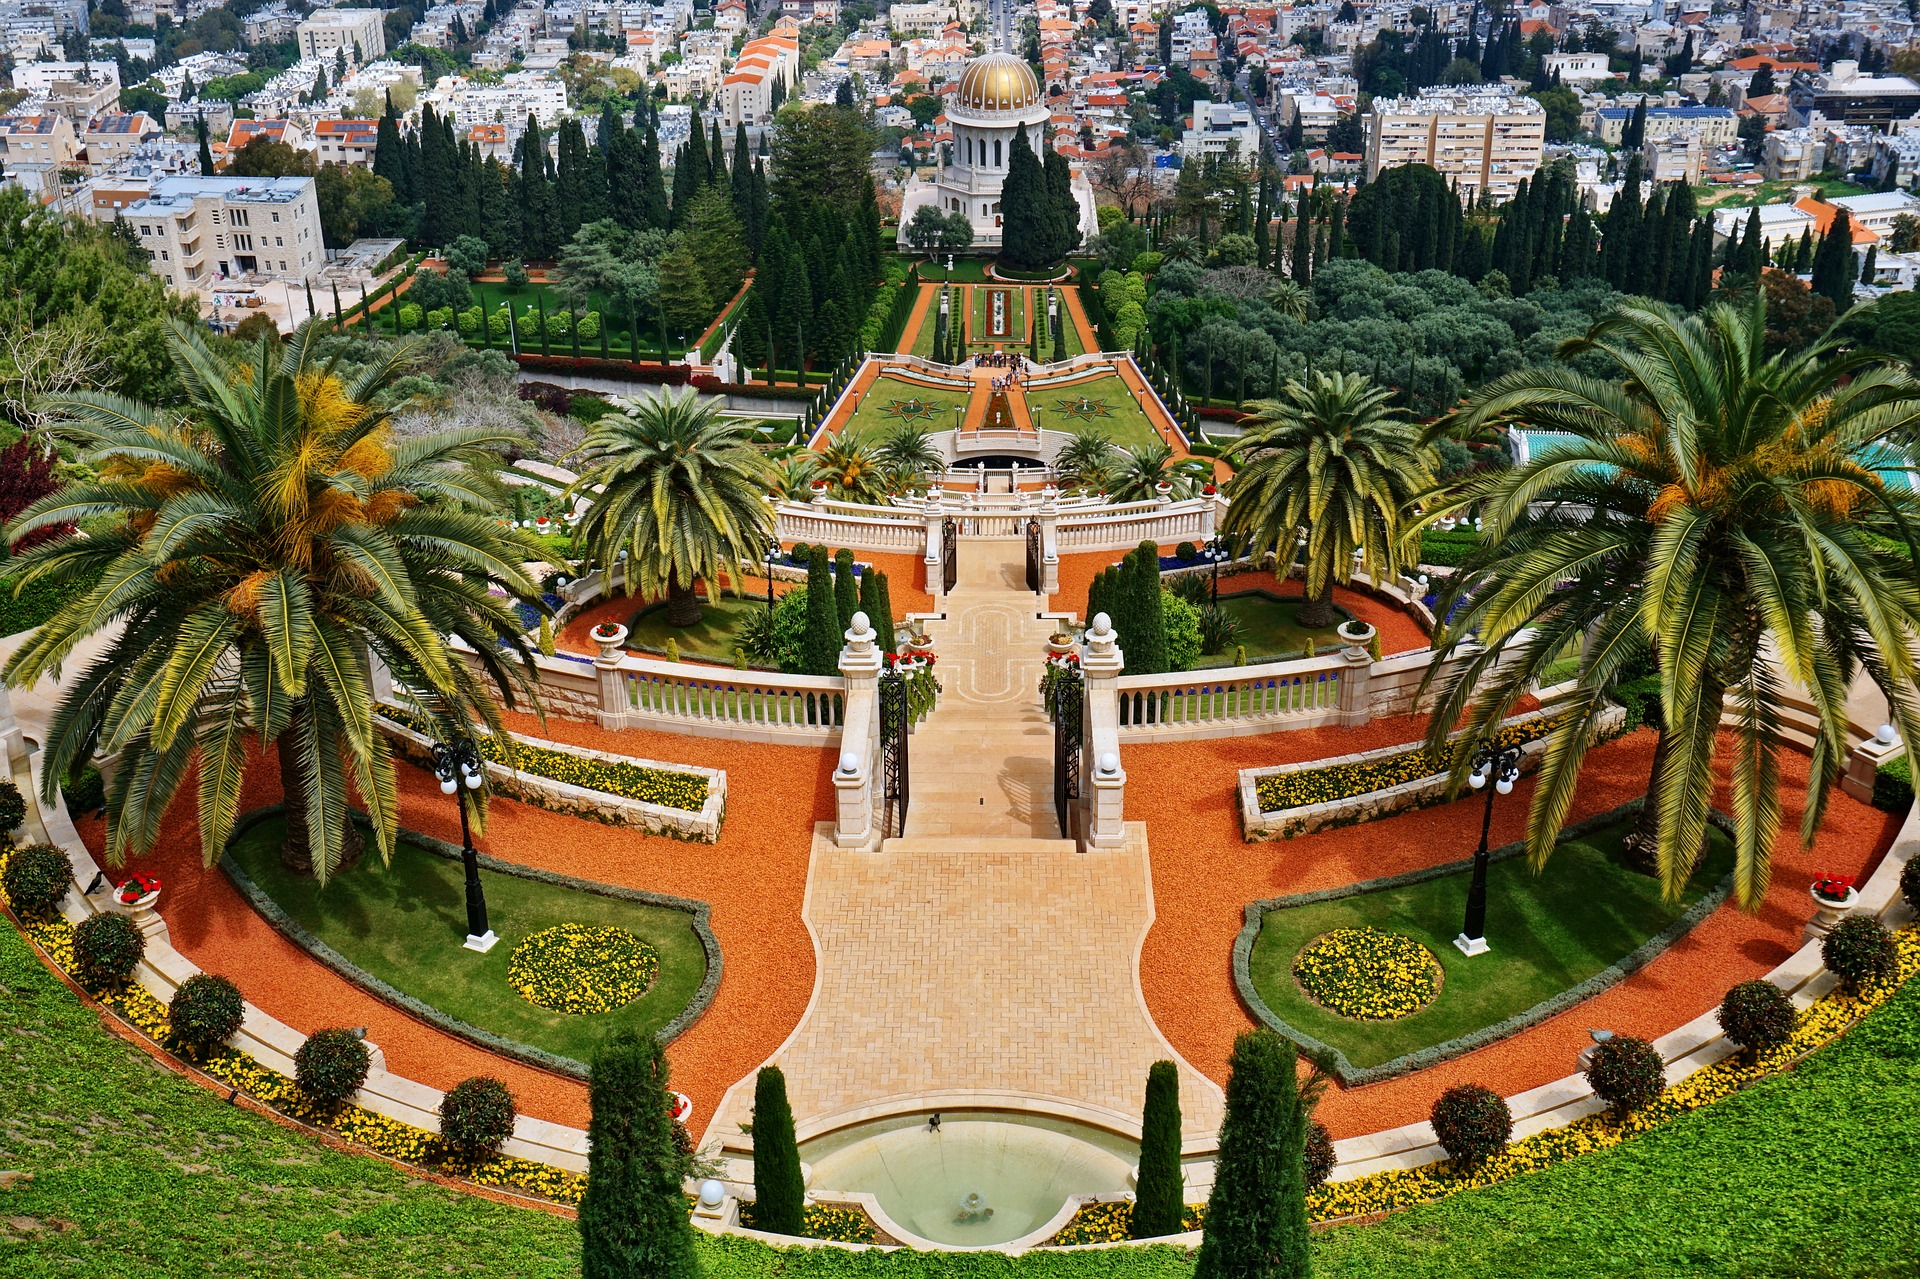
(908, 455)
(251, 552)
(794, 469)
(1181, 248)
(1139, 471)
(681, 495)
(1329, 468)
(1288, 298)
(852, 469)
(1718, 512)
(1086, 461)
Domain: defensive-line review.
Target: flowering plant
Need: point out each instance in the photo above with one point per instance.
(605, 633)
(1208, 489)
(136, 888)
(1833, 888)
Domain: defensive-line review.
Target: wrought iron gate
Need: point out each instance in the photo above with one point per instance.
(893, 753)
(1033, 556)
(1068, 705)
(949, 553)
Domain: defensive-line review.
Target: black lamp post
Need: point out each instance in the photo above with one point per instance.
(1216, 553)
(774, 556)
(458, 766)
(1501, 764)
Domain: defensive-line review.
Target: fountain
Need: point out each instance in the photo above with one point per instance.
(973, 1210)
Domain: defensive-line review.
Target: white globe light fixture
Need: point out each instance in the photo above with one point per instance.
(1505, 784)
(1886, 734)
(1109, 763)
(849, 762)
(1477, 778)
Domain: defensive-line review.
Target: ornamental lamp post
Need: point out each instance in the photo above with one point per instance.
(773, 557)
(1215, 552)
(1502, 765)
(454, 763)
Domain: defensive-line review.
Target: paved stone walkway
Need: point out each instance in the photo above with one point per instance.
(980, 959)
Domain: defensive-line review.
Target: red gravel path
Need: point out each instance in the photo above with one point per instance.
(753, 879)
(1204, 874)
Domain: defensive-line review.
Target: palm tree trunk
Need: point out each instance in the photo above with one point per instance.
(683, 606)
(1317, 610)
(296, 851)
(1642, 845)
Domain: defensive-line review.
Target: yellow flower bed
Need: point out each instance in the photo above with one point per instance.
(684, 791)
(576, 969)
(1377, 1192)
(1368, 974)
(1343, 781)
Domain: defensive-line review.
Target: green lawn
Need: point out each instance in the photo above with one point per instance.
(1268, 629)
(1806, 1173)
(1125, 422)
(713, 637)
(929, 324)
(978, 302)
(880, 410)
(1549, 932)
(405, 923)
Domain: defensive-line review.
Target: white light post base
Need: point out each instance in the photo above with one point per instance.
(483, 943)
(1471, 945)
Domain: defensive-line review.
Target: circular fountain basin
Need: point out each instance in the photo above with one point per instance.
(1023, 1168)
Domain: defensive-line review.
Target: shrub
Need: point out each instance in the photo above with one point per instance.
(1641, 697)
(85, 791)
(410, 314)
(36, 879)
(331, 1064)
(206, 1011)
(589, 326)
(1181, 624)
(476, 1118)
(1757, 1015)
(1893, 784)
(440, 317)
(528, 327)
(515, 273)
(106, 949)
(1472, 1122)
(1320, 1157)
(497, 325)
(559, 324)
(1186, 552)
(1627, 1074)
(779, 1190)
(13, 808)
(1218, 628)
(1910, 882)
(1159, 1199)
(470, 320)
(1859, 951)
(633, 1218)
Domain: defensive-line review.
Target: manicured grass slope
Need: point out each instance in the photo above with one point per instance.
(873, 423)
(1549, 932)
(405, 923)
(1268, 629)
(137, 1172)
(713, 637)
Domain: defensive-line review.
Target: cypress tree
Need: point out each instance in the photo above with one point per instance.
(881, 612)
(1833, 266)
(633, 1219)
(846, 589)
(1803, 252)
(716, 157)
(699, 162)
(740, 180)
(1256, 1225)
(779, 1191)
(206, 145)
(1753, 247)
(653, 185)
(1146, 647)
(1064, 223)
(1026, 222)
(822, 647)
(1159, 1194)
(1702, 263)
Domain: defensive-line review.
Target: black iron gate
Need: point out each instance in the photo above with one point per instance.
(1068, 705)
(949, 553)
(893, 754)
(1033, 556)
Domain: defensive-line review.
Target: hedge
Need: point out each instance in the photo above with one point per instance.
(1344, 781)
(684, 791)
(38, 602)
(1893, 785)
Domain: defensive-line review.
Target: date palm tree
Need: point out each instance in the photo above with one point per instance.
(1287, 298)
(1087, 460)
(1328, 473)
(680, 492)
(1718, 512)
(253, 548)
(1138, 472)
(908, 455)
(853, 469)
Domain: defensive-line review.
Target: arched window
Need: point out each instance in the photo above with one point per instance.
(996, 153)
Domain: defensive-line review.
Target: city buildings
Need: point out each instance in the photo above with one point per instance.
(1844, 96)
(1220, 128)
(197, 229)
(1481, 139)
(1713, 126)
(362, 33)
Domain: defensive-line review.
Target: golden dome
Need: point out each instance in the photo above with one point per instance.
(998, 82)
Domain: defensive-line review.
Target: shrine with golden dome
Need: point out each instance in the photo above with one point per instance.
(998, 96)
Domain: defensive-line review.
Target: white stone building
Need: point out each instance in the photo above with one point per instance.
(361, 32)
(198, 229)
(1479, 138)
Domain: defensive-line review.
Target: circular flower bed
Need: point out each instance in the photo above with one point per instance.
(1368, 974)
(577, 969)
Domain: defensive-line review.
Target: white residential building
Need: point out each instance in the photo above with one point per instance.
(200, 228)
(1219, 128)
(519, 94)
(361, 32)
(1482, 140)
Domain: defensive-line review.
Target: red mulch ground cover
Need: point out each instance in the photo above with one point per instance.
(1204, 874)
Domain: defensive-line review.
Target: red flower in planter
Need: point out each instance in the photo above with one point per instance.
(1833, 887)
(137, 887)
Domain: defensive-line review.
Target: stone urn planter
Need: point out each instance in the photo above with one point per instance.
(1829, 910)
(1163, 492)
(819, 488)
(919, 644)
(682, 1108)
(609, 636)
(137, 898)
(1059, 642)
(543, 525)
(1357, 635)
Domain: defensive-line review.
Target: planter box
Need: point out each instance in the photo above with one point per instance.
(1422, 792)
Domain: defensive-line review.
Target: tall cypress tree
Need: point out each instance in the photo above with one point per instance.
(1833, 264)
(633, 1218)
(779, 1190)
(1256, 1225)
(1026, 215)
(740, 179)
(716, 156)
(1146, 648)
(1065, 209)
(653, 185)
(846, 590)
(206, 145)
(1159, 1194)
(823, 640)
(1753, 246)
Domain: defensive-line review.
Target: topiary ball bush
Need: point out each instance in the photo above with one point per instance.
(1186, 552)
(1758, 1016)
(1319, 1154)
(106, 949)
(1627, 1073)
(1859, 951)
(331, 1064)
(13, 808)
(36, 879)
(476, 1118)
(1910, 882)
(1472, 1122)
(206, 1011)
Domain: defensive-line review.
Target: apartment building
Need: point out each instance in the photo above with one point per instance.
(1219, 128)
(361, 32)
(1482, 141)
(346, 141)
(110, 139)
(198, 228)
(746, 94)
(921, 19)
(1714, 126)
(1844, 96)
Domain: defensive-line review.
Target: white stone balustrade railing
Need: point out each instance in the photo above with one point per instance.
(881, 529)
(1126, 526)
(1104, 788)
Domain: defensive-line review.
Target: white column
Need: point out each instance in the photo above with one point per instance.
(1100, 753)
(1356, 707)
(932, 557)
(613, 685)
(853, 825)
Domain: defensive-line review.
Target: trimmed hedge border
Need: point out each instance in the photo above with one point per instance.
(298, 934)
(1350, 1075)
